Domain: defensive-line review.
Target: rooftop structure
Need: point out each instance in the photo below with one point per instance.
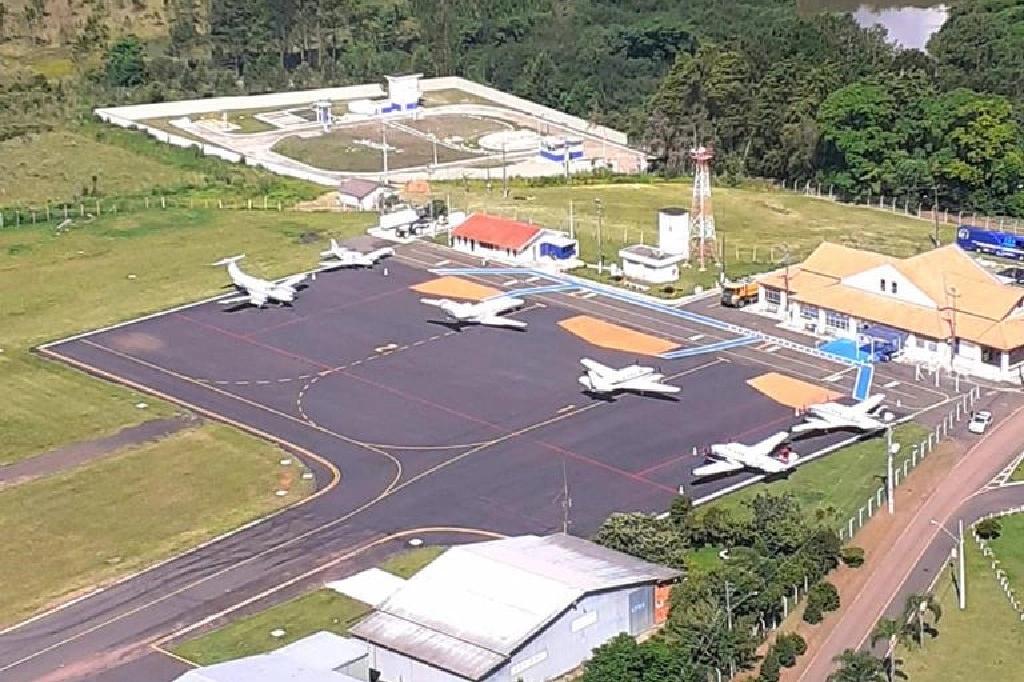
(948, 308)
(320, 657)
(471, 610)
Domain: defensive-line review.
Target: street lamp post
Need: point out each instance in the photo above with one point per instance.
(890, 450)
(962, 579)
(600, 239)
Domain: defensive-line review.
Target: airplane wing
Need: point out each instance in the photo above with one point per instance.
(769, 444)
(499, 321)
(335, 264)
(436, 302)
(245, 298)
(375, 256)
(724, 466)
(867, 405)
(813, 424)
(292, 280)
(646, 384)
(597, 368)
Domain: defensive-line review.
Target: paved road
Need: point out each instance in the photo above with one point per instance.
(920, 547)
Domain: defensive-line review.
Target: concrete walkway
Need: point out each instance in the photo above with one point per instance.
(77, 454)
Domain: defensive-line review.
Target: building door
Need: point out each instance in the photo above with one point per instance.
(641, 610)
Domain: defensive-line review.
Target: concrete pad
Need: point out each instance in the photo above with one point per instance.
(792, 392)
(372, 586)
(456, 287)
(615, 337)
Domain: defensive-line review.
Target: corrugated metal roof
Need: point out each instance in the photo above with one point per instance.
(263, 668)
(372, 586)
(324, 651)
(476, 604)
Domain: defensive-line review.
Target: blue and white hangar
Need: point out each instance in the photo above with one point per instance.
(522, 609)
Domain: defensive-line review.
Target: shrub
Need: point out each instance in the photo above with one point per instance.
(787, 647)
(812, 614)
(852, 556)
(770, 669)
(988, 529)
(825, 596)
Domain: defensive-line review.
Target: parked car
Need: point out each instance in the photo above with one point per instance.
(980, 421)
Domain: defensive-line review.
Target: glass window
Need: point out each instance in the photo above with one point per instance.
(773, 296)
(881, 285)
(837, 320)
(809, 312)
(894, 286)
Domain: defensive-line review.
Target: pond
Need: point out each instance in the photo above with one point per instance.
(910, 22)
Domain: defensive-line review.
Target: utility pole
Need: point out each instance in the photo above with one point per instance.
(935, 212)
(566, 500)
(960, 560)
(572, 219)
(433, 142)
(785, 279)
(384, 144)
(504, 173)
(951, 294)
(728, 605)
(600, 239)
(891, 500)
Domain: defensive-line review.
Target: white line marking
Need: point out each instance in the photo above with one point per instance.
(891, 384)
(510, 283)
(696, 337)
(770, 349)
(441, 262)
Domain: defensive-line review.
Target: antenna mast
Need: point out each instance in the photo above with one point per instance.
(702, 219)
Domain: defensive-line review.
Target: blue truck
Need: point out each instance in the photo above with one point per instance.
(992, 242)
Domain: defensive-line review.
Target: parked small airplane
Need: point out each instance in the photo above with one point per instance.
(826, 416)
(258, 291)
(344, 257)
(731, 457)
(487, 313)
(601, 379)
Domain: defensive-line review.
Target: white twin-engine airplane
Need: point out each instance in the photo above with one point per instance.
(731, 457)
(827, 416)
(259, 291)
(635, 379)
(343, 257)
(486, 313)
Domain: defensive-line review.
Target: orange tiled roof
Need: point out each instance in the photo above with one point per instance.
(498, 232)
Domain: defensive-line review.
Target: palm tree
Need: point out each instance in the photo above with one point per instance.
(917, 611)
(857, 666)
(895, 631)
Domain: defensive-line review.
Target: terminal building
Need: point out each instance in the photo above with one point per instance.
(939, 308)
(511, 241)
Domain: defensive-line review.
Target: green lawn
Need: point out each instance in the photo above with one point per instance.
(61, 164)
(745, 219)
(1018, 473)
(75, 530)
(80, 280)
(835, 487)
(320, 610)
(1009, 549)
(981, 643)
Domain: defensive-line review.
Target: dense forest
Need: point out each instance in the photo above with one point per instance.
(780, 94)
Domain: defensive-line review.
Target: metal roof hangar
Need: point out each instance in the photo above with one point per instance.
(526, 608)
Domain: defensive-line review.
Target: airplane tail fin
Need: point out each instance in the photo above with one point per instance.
(229, 260)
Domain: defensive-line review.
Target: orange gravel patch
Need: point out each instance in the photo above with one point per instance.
(455, 287)
(791, 392)
(608, 335)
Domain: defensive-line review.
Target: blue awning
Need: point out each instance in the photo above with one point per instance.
(880, 332)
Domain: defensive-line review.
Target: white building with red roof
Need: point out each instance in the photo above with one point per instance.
(497, 238)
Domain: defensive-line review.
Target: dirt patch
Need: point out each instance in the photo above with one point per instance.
(615, 337)
(791, 392)
(136, 341)
(324, 202)
(456, 287)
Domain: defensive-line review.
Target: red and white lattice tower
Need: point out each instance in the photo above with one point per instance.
(702, 217)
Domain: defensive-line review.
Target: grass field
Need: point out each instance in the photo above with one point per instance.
(453, 96)
(339, 150)
(744, 218)
(80, 280)
(1009, 549)
(835, 487)
(74, 530)
(61, 164)
(320, 610)
(982, 642)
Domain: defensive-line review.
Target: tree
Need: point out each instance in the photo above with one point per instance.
(788, 646)
(643, 536)
(988, 529)
(853, 556)
(857, 666)
(3, 21)
(896, 632)
(825, 596)
(922, 611)
(125, 64)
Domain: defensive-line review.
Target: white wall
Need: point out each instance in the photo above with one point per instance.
(644, 273)
(870, 282)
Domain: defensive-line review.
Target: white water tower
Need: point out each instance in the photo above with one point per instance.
(674, 231)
